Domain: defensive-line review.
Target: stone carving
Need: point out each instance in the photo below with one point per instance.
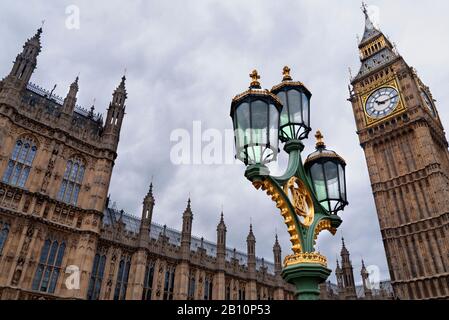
(50, 168)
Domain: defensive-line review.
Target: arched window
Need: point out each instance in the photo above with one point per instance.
(4, 231)
(19, 165)
(192, 284)
(72, 180)
(148, 281)
(122, 278)
(169, 283)
(96, 278)
(49, 267)
(208, 289)
(228, 292)
(242, 293)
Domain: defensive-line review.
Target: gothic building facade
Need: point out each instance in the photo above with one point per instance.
(57, 225)
(407, 155)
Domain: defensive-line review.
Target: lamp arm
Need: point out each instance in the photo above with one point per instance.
(295, 167)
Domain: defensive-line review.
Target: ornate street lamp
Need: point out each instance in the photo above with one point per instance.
(310, 197)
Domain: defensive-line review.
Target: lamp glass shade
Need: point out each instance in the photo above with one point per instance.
(256, 129)
(327, 172)
(295, 116)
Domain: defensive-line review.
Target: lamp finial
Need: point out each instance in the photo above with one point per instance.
(319, 139)
(255, 84)
(286, 74)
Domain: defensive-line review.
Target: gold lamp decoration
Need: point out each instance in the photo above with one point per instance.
(301, 200)
(255, 77)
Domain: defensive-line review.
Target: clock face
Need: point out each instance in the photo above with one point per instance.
(382, 102)
(428, 102)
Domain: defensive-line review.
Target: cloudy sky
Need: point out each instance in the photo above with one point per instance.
(185, 61)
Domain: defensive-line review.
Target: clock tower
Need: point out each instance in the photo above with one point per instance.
(408, 162)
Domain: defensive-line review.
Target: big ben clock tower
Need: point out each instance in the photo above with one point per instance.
(408, 161)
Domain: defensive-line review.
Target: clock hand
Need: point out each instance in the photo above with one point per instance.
(384, 101)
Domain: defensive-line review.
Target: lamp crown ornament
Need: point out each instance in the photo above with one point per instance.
(255, 77)
(319, 140)
(286, 74)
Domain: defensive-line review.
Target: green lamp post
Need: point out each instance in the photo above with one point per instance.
(308, 195)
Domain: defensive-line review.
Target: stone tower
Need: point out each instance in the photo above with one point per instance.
(347, 273)
(182, 270)
(251, 252)
(220, 282)
(277, 254)
(408, 162)
(366, 283)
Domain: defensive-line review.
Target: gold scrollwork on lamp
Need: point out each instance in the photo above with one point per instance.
(301, 200)
(267, 186)
(321, 226)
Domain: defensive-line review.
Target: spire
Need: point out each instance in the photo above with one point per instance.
(221, 242)
(148, 206)
(70, 99)
(375, 49)
(221, 225)
(149, 198)
(276, 242)
(119, 96)
(186, 235)
(36, 39)
(188, 209)
(26, 61)
(75, 83)
(251, 236)
(370, 30)
(277, 256)
(122, 84)
(251, 251)
(115, 115)
(344, 251)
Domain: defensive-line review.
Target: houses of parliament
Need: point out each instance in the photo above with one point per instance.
(56, 162)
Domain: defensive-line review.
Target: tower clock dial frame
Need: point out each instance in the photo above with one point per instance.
(382, 102)
(428, 102)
